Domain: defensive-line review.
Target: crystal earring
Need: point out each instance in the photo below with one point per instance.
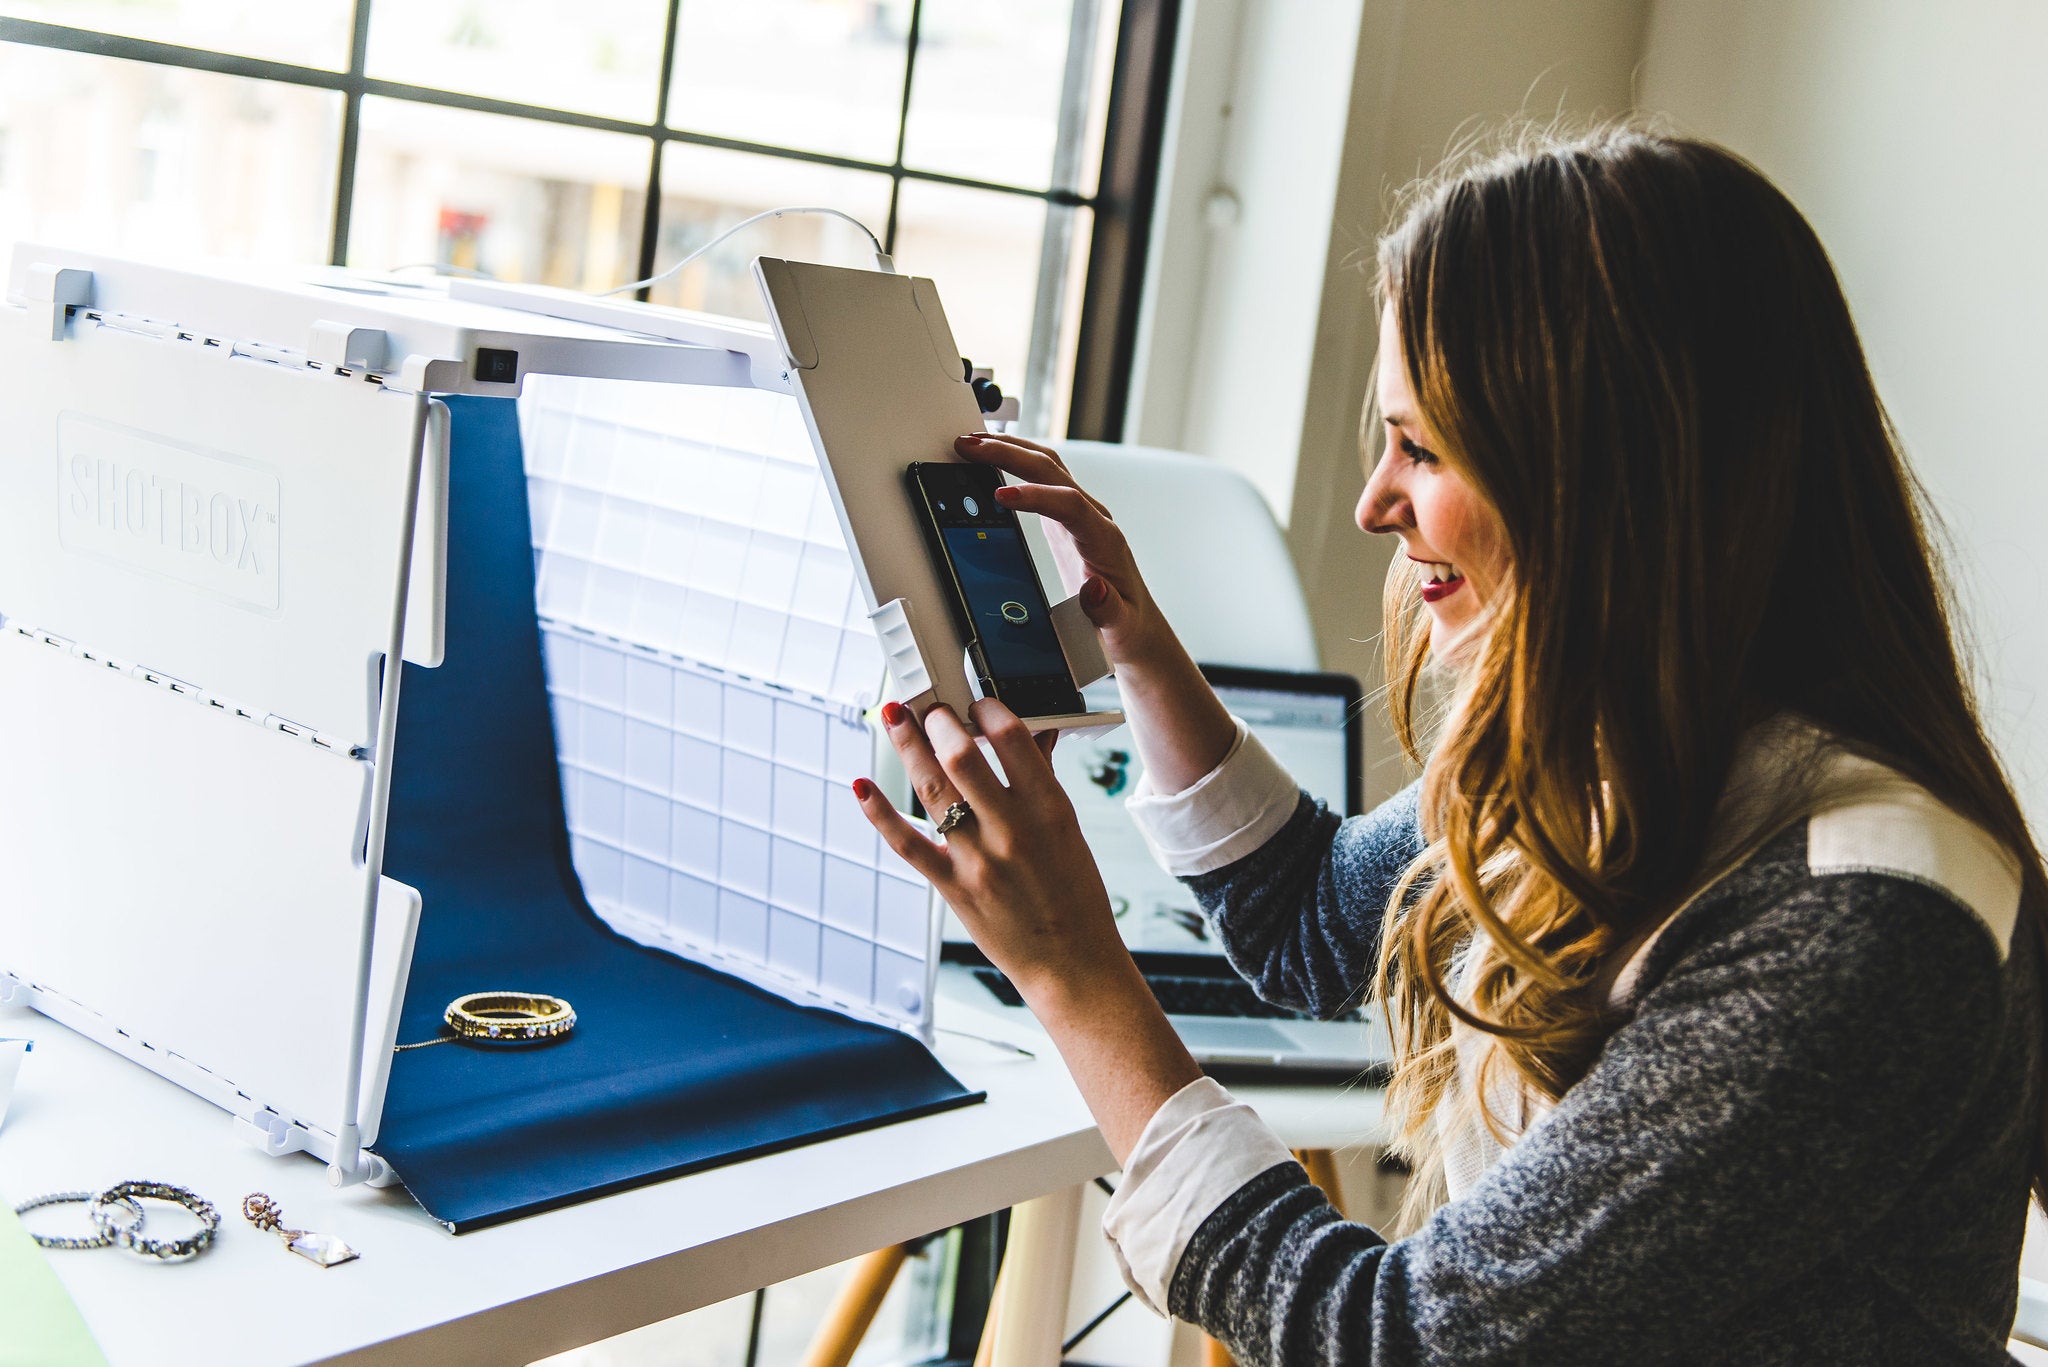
(325, 1249)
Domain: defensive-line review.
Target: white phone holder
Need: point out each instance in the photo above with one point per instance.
(873, 363)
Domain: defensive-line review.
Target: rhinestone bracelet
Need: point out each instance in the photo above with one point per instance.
(100, 1237)
(130, 1237)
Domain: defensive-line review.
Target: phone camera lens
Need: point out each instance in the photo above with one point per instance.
(973, 508)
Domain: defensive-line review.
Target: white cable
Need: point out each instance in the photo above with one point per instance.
(882, 261)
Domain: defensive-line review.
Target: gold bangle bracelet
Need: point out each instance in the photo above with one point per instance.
(510, 1016)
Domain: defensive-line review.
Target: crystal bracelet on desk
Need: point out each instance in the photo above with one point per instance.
(117, 1217)
(130, 1237)
(99, 1238)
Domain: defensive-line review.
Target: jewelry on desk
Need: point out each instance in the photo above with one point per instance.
(130, 1236)
(99, 1238)
(262, 1211)
(955, 814)
(502, 1018)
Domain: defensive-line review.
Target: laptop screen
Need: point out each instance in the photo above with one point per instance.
(1310, 723)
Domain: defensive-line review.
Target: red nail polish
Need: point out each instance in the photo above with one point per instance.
(893, 713)
(1094, 592)
(975, 438)
(1005, 494)
(863, 789)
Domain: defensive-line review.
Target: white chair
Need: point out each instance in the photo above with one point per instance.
(2030, 1325)
(1211, 553)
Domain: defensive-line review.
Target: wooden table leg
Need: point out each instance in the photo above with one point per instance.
(1322, 1170)
(1029, 1313)
(985, 1351)
(846, 1323)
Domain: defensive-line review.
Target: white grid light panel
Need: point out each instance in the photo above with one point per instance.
(709, 662)
(694, 520)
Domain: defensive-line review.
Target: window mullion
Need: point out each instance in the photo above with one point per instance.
(903, 125)
(650, 219)
(1056, 246)
(351, 132)
(1123, 218)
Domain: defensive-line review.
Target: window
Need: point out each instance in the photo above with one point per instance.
(1007, 150)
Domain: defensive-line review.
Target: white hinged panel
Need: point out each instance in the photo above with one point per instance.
(191, 879)
(229, 522)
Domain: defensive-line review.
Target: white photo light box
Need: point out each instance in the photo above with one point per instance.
(218, 490)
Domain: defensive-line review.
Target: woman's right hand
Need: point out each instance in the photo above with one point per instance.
(1094, 557)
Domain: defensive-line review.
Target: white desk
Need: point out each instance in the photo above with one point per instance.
(85, 1117)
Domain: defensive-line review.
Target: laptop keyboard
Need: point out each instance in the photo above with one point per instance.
(1180, 996)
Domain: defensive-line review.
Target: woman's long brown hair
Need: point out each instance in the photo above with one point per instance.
(1636, 349)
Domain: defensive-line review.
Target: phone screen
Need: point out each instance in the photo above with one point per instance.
(1005, 602)
(1001, 607)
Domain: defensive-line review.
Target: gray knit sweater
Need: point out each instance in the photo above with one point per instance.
(1809, 1143)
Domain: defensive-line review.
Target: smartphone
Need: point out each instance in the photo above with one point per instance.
(997, 601)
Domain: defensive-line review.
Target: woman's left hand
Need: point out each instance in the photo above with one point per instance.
(1017, 871)
(1020, 876)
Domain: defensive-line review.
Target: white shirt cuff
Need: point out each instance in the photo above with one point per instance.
(1195, 1152)
(1222, 816)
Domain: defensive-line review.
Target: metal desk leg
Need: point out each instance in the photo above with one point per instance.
(1030, 1311)
(846, 1323)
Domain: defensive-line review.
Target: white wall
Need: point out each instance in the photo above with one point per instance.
(1308, 115)
(1259, 126)
(1915, 138)
(1914, 135)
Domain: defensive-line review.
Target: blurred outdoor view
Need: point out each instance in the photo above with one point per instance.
(150, 159)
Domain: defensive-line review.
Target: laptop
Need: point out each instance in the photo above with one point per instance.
(1311, 723)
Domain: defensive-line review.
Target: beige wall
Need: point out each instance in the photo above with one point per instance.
(1259, 125)
(1428, 71)
(1295, 121)
(1915, 138)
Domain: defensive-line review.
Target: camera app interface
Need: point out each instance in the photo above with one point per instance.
(1004, 599)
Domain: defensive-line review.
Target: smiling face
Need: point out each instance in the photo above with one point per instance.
(1445, 525)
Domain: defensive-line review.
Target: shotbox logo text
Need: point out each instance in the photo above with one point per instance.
(165, 509)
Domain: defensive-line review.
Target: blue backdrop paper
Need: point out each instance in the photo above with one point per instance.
(672, 1066)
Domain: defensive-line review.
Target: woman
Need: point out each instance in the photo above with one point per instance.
(1711, 936)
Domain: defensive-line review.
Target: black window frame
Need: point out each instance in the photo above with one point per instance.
(1121, 207)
